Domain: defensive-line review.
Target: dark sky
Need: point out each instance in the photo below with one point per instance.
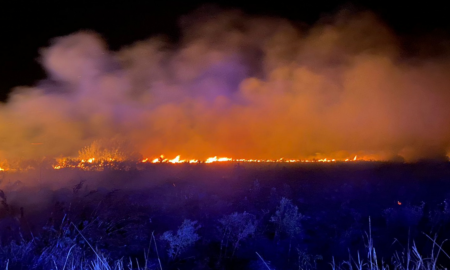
(25, 28)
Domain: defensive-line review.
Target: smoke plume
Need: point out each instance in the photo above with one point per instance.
(237, 86)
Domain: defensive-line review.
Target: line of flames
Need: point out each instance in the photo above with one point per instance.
(93, 163)
(85, 164)
(177, 159)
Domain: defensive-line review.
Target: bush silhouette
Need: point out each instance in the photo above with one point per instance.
(185, 237)
(234, 228)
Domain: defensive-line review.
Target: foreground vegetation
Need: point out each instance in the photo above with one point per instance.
(387, 216)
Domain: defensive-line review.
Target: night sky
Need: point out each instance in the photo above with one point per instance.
(26, 28)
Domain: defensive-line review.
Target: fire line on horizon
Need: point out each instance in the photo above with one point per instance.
(101, 163)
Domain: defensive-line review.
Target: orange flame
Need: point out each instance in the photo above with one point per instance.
(176, 160)
(100, 163)
(214, 159)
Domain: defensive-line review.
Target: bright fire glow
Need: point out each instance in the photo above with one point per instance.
(176, 160)
(215, 159)
(102, 163)
(93, 163)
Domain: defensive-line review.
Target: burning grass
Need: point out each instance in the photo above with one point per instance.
(99, 161)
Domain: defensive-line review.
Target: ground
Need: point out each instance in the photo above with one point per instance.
(223, 216)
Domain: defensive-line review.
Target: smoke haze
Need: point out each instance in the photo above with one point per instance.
(237, 86)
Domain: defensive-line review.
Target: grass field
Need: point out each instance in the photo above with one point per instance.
(368, 215)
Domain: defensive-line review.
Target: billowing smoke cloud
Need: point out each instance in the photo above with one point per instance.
(239, 86)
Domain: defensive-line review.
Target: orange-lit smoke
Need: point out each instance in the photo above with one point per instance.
(235, 86)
